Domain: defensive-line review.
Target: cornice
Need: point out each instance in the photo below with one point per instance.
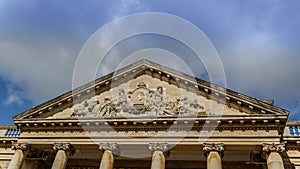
(156, 124)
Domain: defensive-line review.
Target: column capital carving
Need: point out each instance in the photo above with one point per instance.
(218, 147)
(20, 146)
(67, 147)
(164, 147)
(268, 148)
(113, 147)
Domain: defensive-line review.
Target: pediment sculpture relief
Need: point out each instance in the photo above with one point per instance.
(141, 101)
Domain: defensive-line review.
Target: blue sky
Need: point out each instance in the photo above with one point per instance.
(258, 42)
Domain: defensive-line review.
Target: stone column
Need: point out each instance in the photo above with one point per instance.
(271, 153)
(64, 150)
(21, 151)
(213, 153)
(109, 150)
(159, 152)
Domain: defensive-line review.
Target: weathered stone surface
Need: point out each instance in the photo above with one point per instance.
(107, 160)
(63, 151)
(139, 101)
(17, 160)
(213, 152)
(214, 160)
(60, 161)
(163, 147)
(112, 147)
(274, 161)
(272, 154)
(158, 160)
(66, 147)
(217, 147)
(21, 151)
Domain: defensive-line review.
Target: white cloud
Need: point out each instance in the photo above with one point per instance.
(12, 99)
(39, 71)
(127, 6)
(249, 40)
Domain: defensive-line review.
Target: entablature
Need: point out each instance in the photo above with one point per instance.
(253, 122)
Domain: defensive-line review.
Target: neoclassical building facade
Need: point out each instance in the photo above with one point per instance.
(146, 115)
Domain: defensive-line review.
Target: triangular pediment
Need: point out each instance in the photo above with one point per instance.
(145, 89)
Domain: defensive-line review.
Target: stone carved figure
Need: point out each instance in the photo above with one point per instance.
(141, 101)
(196, 108)
(79, 109)
(182, 105)
(122, 103)
(108, 109)
(157, 102)
(85, 108)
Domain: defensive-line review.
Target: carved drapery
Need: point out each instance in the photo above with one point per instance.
(141, 101)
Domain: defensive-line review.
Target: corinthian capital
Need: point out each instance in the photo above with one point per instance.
(67, 147)
(113, 147)
(218, 147)
(268, 148)
(164, 147)
(20, 146)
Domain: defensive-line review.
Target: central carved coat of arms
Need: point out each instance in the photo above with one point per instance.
(140, 101)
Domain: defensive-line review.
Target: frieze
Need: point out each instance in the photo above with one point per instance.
(141, 101)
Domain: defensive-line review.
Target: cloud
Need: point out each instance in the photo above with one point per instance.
(39, 71)
(12, 99)
(257, 43)
(38, 57)
(126, 7)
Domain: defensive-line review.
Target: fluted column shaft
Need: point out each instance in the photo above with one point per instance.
(108, 149)
(64, 150)
(21, 151)
(272, 154)
(159, 152)
(213, 153)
